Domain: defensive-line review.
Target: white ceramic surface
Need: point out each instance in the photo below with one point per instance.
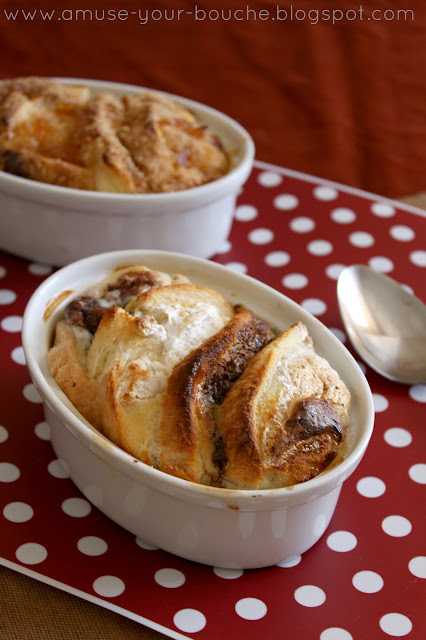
(226, 528)
(59, 225)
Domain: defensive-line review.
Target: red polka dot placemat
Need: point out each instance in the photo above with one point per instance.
(366, 577)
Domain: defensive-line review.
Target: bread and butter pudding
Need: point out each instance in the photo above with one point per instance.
(172, 373)
(61, 134)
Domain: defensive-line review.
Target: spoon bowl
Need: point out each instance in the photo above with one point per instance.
(385, 323)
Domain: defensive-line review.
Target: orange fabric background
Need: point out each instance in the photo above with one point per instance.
(345, 102)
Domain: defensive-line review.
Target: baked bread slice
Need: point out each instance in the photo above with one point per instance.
(133, 354)
(74, 334)
(38, 118)
(284, 420)
(31, 165)
(108, 160)
(188, 445)
(114, 363)
(168, 145)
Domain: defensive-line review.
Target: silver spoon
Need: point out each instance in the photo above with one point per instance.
(385, 323)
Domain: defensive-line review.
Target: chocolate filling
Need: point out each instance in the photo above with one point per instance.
(313, 416)
(84, 312)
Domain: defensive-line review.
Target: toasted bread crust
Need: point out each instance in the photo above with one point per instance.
(265, 448)
(187, 432)
(66, 361)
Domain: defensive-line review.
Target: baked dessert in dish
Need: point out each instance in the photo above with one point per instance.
(180, 379)
(61, 134)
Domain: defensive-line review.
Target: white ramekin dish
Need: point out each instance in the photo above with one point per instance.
(59, 225)
(219, 527)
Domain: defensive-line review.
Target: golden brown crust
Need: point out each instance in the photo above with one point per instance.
(27, 164)
(101, 150)
(263, 448)
(187, 432)
(170, 148)
(125, 355)
(67, 363)
(141, 143)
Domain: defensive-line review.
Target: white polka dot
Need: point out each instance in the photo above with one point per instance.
(189, 620)
(315, 306)
(2, 272)
(260, 236)
(382, 209)
(251, 608)
(418, 392)
(333, 271)
(342, 541)
(397, 437)
(269, 179)
(395, 624)
(92, 546)
(277, 258)
(40, 269)
(286, 202)
(418, 258)
(302, 224)
(18, 512)
(4, 434)
(417, 566)
(12, 324)
(361, 239)
(402, 233)
(367, 581)
(246, 212)
(31, 553)
(320, 247)
(381, 263)
(380, 402)
(396, 526)
(335, 633)
(145, 545)
(295, 281)
(309, 596)
(417, 473)
(290, 562)
(239, 267)
(76, 507)
(371, 487)
(343, 216)
(58, 469)
(228, 574)
(169, 578)
(225, 247)
(108, 586)
(340, 335)
(18, 355)
(42, 431)
(31, 393)
(325, 193)
(8, 472)
(7, 296)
